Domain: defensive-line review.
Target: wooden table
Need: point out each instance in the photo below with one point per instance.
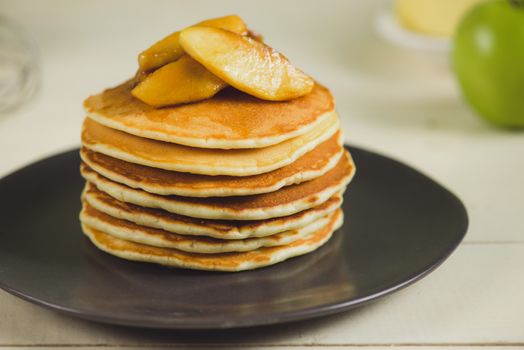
(397, 101)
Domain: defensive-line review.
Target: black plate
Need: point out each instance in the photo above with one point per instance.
(399, 225)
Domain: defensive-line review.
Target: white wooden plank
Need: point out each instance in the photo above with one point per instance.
(474, 298)
(341, 346)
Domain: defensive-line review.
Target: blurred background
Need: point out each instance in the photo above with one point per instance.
(391, 77)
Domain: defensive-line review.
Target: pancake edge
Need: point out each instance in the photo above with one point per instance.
(146, 199)
(200, 229)
(250, 265)
(195, 244)
(213, 143)
(217, 170)
(219, 191)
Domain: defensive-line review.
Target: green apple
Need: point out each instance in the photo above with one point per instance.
(488, 60)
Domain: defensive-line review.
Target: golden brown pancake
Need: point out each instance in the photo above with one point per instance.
(231, 119)
(286, 201)
(217, 262)
(130, 231)
(313, 164)
(221, 229)
(170, 156)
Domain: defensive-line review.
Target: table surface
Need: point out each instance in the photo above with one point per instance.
(397, 101)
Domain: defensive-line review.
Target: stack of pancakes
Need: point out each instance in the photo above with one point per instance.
(230, 183)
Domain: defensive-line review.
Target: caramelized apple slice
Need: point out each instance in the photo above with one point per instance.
(255, 36)
(169, 49)
(246, 64)
(184, 80)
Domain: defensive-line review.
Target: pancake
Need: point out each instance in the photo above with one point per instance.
(170, 156)
(231, 119)
(216, 262)
(129, 231)
(184, 225)
(286, 201)
(313, 164)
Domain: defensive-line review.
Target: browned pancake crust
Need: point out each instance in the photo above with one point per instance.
(224, 260)
(173, 237)
(231, 115)
(219, 225)
(92, 213)
(149, 178)
(338, 176)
